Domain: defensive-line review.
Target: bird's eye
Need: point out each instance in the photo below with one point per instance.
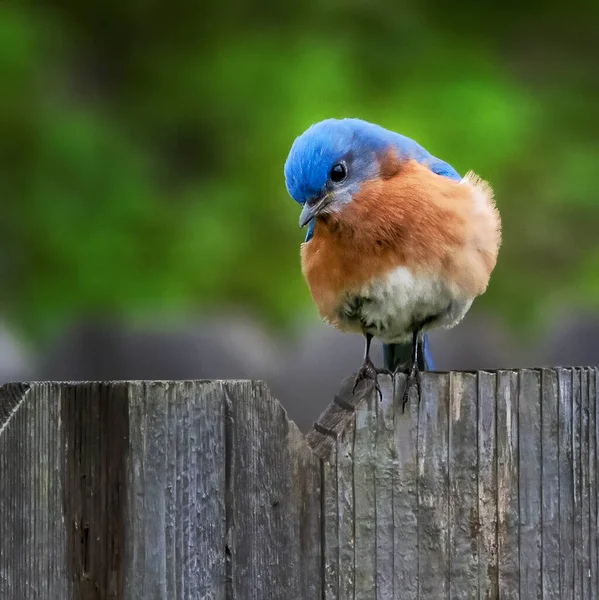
(338, 173)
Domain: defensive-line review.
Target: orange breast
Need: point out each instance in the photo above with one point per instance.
(409, 217)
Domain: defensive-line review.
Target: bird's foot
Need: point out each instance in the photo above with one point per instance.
(414, 377)
(369, 371)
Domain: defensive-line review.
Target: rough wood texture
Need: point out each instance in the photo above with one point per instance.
(508, 507)
(384, 464)
(433, 489)
(576, 483)
(155, 490)
(530, 463)
(486, 488)
(463, 484)
(566, 484)
(483, 479)
(488, 575)
(405, 495)
(593, 584)
(550, 493)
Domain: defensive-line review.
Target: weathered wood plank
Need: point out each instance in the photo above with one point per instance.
(171, 483)
(330, 507)
(365, 499)
(172, 490)
(584, 480)
(487, 488)
(265, 507)
(54, 539)
(577, 475)
(405, 493)
(12, 396)
(596, 471)
(593, 484)
(463, 486)
(15, 490)
(177, 490)
(566, 488)
(195, 533)
(385, 461)
(306, 515)
(95, 439)
(208, 425)
(433, 488)
(33, 538)
(345, 489)
(146, 485)
(508, 551)
(530, 484)
(337, 416)
(181, 434)
(550, 486)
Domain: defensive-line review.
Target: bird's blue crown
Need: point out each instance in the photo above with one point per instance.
(316, 150)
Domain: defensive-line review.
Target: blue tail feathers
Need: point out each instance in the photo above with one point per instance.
(400, 355)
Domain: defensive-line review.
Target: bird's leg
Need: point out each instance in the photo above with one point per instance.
(414, 373)
(368, 370)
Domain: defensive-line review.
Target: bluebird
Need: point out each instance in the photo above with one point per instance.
(398, 242)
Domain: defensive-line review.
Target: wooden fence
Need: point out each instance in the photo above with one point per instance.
(205, 490)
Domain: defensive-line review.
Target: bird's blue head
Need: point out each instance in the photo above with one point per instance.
(330, 160)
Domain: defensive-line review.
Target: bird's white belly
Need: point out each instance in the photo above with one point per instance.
(393, 306)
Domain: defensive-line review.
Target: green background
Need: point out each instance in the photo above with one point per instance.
(142, 146)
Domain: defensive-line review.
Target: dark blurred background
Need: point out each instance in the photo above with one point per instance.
(145, 227)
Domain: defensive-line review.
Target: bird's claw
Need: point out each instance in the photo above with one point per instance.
(414, 376)
(368, 371)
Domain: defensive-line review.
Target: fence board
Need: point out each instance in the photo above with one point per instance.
(488, 579)
(365, 499)
(210, 519)
(385, 465)
(566, 487)
(592, 485)
(330, 527)
(463, 484)
(595, 375)
(484, 488)
(576, 482)
(345, 490)
(265, 505)
(584, 481)
(550, 486)
(405, 494)
(433, 489)
(508, 451)
(529, 433)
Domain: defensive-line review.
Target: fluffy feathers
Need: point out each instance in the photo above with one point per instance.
(399, 244)
(414, 244)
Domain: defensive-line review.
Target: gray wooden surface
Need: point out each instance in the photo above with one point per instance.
(485, 489)
(157, 490)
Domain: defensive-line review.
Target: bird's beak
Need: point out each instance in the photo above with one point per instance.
(311, 209)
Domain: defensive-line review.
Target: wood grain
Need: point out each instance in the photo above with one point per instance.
(463, 486)
(550, 490)
(485, 487)
(566, 483)
(508, 481)
(433, 489)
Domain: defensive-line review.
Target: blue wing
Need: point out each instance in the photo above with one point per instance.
(441, 168)
(310, 231)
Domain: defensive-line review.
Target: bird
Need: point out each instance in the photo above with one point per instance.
(397, 242)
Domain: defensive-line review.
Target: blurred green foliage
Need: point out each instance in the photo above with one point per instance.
(142, 144)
